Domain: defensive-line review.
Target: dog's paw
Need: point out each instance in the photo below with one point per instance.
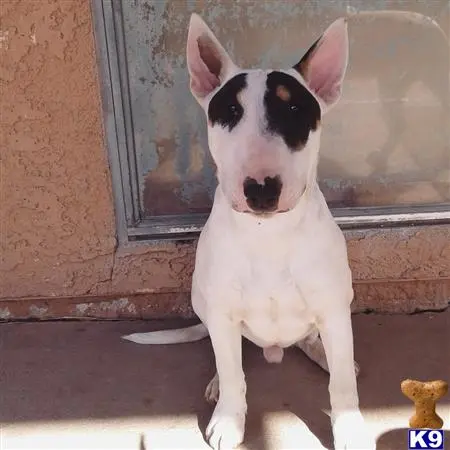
(351, 432)
(212, 390)
(226, 428)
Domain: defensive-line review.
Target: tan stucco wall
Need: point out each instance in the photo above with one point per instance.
(58, 253)
(57, 232)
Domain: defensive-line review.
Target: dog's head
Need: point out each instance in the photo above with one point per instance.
(264, 125)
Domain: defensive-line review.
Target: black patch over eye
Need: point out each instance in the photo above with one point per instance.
(294, 116)
(224, 108)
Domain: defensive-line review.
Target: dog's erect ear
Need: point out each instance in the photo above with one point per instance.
(323, 66)
(208, 62)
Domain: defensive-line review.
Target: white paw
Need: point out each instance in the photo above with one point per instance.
(351, 432)
(226, 428)
(212, 390)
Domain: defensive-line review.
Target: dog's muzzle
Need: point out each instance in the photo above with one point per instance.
(262, 198)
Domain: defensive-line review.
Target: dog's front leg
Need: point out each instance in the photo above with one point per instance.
(227, 424)
(349, 428)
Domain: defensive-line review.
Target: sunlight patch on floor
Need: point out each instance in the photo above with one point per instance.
(281, 430)
(131, 433)
(284, 430)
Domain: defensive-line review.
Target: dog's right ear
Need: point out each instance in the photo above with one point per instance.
(208, 62)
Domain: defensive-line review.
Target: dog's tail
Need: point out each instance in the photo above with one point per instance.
(178, 336)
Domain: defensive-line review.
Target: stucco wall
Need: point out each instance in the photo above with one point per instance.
(57, 219)
(58, 252)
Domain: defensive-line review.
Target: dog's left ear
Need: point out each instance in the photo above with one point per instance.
(323, 66)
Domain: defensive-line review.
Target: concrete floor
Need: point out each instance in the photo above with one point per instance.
(77, 385)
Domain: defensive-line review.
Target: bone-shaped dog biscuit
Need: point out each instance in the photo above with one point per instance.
(425, 395)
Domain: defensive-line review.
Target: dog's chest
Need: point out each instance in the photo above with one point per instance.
(273, 311)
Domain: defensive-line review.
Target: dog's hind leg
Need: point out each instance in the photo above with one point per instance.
(212, 390)
(312, 346)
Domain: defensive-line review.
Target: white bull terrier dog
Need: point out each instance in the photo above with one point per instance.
(271, 263)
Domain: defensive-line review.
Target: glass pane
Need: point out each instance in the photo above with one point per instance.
(386, 143)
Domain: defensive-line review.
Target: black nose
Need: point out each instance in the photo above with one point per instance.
(263, 197)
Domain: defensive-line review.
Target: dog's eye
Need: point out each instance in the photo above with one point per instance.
(233, 110)
(293, 108)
